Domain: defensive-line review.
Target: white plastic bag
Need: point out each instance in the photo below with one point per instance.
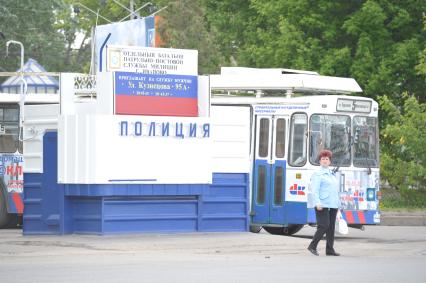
(341, 225)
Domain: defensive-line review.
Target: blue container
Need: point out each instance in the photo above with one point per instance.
(52, 208)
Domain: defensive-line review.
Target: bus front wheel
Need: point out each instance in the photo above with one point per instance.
(255, 228)
(284, 231)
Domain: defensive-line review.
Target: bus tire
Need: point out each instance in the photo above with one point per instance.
(255, 228)
(284, 231)
(5, 218)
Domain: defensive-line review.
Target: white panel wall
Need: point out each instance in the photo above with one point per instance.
(91, 151)
(203, 96)
(103, 103)
(38, 119)
(231, 139)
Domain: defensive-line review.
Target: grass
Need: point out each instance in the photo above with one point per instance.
(406, 200)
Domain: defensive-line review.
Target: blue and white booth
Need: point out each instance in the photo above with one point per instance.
(35, 84)
(90, 170)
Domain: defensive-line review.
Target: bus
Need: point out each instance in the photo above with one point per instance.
(11, 151)
(292, 118)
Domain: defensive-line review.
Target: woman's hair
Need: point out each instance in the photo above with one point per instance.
(325, 153)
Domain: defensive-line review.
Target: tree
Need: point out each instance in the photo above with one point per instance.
(403, 144)
(33, 24)
(378, 42)
(182, 26)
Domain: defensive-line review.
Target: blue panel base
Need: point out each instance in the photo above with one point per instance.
(52, 208)
(43, 197)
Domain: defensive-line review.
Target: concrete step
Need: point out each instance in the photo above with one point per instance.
(394, 218)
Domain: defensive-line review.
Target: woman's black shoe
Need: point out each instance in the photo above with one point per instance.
(333, 254)
(313, 251)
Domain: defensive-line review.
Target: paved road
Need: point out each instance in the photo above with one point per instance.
(378, 254)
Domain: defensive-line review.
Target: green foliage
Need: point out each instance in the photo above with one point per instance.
(183, 27)
(407, 199)
(403, 144)
(33, 24)
(378, 42)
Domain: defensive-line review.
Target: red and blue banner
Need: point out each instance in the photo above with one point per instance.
(154, 94)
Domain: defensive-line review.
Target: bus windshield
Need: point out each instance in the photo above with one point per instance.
(330, 132)
(9, 128)
(365, 142)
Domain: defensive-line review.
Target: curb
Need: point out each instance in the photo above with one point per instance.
(403, 218)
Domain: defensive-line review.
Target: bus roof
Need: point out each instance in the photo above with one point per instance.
(300, 100)
(238, 78)
(30, 98)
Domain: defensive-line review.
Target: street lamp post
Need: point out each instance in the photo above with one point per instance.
(23, 84)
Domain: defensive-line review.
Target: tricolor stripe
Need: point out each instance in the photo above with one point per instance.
(349, 217)
(361, 217)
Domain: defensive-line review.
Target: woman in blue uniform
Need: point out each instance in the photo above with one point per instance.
(326, 196)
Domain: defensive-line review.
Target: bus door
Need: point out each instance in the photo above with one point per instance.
(269, 170)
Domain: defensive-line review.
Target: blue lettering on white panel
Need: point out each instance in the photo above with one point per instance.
(179, 130)
(165, 129)
(152, 129)
(138, 129)
(193, 130)
(123, 128)
(206, 129)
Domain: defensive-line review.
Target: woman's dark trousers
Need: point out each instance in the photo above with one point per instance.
(326, 220)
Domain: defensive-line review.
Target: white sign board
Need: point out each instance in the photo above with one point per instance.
(156, 61)
(352, 105)
(106, 149)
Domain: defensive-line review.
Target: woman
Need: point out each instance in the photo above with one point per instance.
(326, 197)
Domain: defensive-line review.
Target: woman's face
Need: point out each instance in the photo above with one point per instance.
(325, 161)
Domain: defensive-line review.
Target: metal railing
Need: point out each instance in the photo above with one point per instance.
(85, 86)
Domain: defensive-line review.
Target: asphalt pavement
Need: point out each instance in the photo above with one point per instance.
(377, 254)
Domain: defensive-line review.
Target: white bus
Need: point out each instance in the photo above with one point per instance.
(287, 134)
(11, 152)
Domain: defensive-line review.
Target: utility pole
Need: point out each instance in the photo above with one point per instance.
(132, 9)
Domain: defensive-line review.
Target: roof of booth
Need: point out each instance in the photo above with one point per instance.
(32, 66)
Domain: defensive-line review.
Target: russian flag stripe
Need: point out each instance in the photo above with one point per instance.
(159, 106)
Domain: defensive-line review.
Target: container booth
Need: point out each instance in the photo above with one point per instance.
(94, 166)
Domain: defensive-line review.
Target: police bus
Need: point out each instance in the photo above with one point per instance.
(293, 117)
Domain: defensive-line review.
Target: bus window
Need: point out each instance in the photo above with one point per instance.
(365, 142)
(280, 138)
(330, 132)
(9, 128)
(261, 185)
(278, 192)
(264, 137)
(297, 146)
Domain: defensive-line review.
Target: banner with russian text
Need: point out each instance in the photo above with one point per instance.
(159, 95)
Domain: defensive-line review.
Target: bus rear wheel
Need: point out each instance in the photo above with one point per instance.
(5, 217)
(284, 231)
(7, 220)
